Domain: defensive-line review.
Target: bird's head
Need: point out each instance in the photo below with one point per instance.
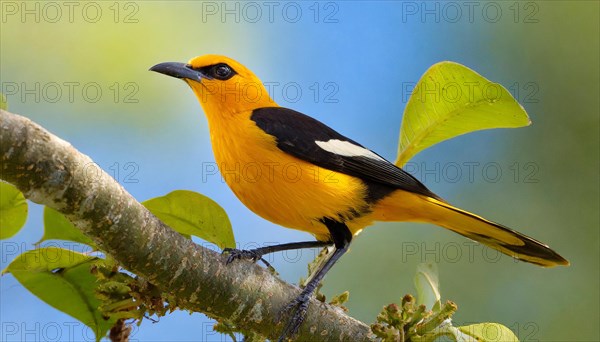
(222, 85)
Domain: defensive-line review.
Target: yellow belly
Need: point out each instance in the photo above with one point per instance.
(281, 188)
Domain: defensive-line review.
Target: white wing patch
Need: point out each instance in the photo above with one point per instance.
(347, 149)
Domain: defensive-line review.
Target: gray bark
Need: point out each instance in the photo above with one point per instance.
(50, 171)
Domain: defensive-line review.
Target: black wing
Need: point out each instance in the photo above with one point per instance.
(298, 134)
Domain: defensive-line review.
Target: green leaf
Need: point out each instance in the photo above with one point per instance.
(489, 332)
(449, 100)
(62, 279)
(446, 332)
(190, 213)
(58, 227)
(3, 102)
(427, 285)
(13, 210)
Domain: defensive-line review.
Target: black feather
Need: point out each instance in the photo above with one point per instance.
(297, 135)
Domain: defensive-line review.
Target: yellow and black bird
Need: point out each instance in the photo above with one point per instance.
(301, 174)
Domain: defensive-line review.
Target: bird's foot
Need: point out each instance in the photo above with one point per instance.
(299, 307)
(248, 254)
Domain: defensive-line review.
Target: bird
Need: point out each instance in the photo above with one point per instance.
(299, 173)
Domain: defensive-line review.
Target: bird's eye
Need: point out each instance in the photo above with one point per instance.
(223, 72)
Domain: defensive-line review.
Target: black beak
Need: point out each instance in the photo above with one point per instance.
(178, 70)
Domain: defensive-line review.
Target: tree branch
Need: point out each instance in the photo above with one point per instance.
(51, 172)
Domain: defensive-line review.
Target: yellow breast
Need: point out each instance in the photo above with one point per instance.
(277, 186)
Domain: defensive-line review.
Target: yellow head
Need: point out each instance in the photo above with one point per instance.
(222, 85)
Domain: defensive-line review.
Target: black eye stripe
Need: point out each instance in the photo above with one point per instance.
(219, 71)
(222, 70)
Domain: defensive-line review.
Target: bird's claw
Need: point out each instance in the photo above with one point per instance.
(250, 254)
(235, 254)
(300, 307)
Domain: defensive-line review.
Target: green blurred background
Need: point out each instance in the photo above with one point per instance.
(80, 70)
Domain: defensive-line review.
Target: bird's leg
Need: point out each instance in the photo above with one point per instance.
(341, 236)
(300, 303)
(257, 254)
